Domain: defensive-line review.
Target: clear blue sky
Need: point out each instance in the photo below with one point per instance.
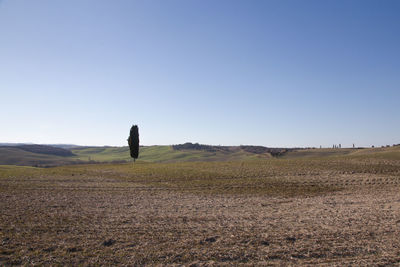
(273, 73)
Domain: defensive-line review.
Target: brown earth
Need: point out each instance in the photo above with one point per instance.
(72, 219)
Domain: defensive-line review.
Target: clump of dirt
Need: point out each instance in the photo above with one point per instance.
(109, 242)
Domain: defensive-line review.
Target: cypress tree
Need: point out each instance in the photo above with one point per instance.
(133, 141)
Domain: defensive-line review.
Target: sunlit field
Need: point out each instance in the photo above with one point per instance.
(199, 133)
(336, 210)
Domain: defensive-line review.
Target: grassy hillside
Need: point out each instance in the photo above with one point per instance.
(17, 156)
(102, 153)
(389, 153)
(162, 154)
(21, 157)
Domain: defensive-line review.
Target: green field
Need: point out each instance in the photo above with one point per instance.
(160, 154)
(16, 156)
(165, 154)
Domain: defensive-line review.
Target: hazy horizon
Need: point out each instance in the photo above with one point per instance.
(85, 145)
(269, 73)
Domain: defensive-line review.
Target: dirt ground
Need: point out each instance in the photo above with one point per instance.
(105, 222)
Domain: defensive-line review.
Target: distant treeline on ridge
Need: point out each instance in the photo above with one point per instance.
(250, 149)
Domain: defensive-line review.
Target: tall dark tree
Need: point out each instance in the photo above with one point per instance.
(133, 141)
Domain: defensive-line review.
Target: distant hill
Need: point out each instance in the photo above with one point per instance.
(47, 156)
(15, 144)
(65, 146)
(43, 149)
(16, 156)
(174, 153)
(259, 150)
(199, 152)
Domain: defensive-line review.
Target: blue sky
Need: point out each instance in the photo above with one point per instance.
(273, 73)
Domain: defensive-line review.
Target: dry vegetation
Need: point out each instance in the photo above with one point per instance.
(334, 211)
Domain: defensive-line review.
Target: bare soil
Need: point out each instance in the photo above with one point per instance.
(109, 220)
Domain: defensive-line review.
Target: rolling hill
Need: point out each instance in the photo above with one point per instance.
(10, 155)
(166, 154)
(48, 156)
